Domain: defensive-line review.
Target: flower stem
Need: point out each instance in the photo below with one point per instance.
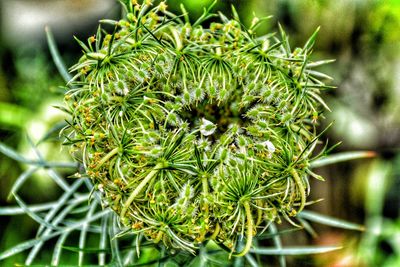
(216, 232)
(139, 188)
(107, 157)
(159, 236)
(302, 190)
(249, 231)
(204, 181)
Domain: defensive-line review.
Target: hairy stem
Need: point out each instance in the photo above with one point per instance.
(204, 181)
(301, 188)
(139, 188)
(249, 231)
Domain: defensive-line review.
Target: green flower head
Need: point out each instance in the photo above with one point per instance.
(192, 133)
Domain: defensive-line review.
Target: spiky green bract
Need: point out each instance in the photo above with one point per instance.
(195, 133)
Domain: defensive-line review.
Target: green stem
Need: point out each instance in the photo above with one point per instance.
(107, 157)
(249, 231)
(139, 188)
(159, 236)
(301, 130)
(177, 39)
(204, 181)
(301, 188)
(216, 232)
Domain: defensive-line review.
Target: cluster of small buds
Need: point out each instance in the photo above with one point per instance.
(195, 133)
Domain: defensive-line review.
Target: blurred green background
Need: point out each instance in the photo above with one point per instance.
(362, 35)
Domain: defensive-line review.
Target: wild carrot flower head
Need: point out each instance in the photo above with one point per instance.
(194, 133)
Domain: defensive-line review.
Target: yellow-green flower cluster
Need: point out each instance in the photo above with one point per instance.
(193, 133)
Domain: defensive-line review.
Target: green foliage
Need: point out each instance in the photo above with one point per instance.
(194, 134)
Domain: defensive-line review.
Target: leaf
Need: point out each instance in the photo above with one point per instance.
(58, 248)
(56, 56)
(82, 44)
(61, 202)
(198, 158)
(282, 232)
(285, 40)
(32, 242)
(330, 221)
(340, 157)
(86, 250)
(8, 211)
(320, 63)
(251, 260)
(9, 152)
(319, 74)
(84, 230)
(206, 15)
(294, 250)
(55, 129)
(115, 250)
(20, 181)
(278, 243)
(58, 179)
(307, 227)
(319, 99)
(25, 245)
(310, 42)
(109, 21)
(32, 214)
(185, 13)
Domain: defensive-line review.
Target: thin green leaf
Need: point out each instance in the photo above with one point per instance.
(340, 157)
(86, 250)
(25, 245)
(53, 130)
(206, 15)
(20, 181)
(58, 179)
(11, 153)
(84, 230)
(310, 42)
(32, 242)
(326, 220)
(280, 233)
(307, 227)
(295, 250)
(184, 13)
(60, 203)
(103, 240)
(251, 260)
(56, 56)
(198, 159)
(10, 211)
(115, 251)
(58, 249)
(320, 63)
(278, 243)
(32, 214)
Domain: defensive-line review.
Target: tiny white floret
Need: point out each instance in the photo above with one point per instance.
(269, 145)
(207, 127)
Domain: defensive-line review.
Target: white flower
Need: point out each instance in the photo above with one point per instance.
(269, 145)
(207, 127)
